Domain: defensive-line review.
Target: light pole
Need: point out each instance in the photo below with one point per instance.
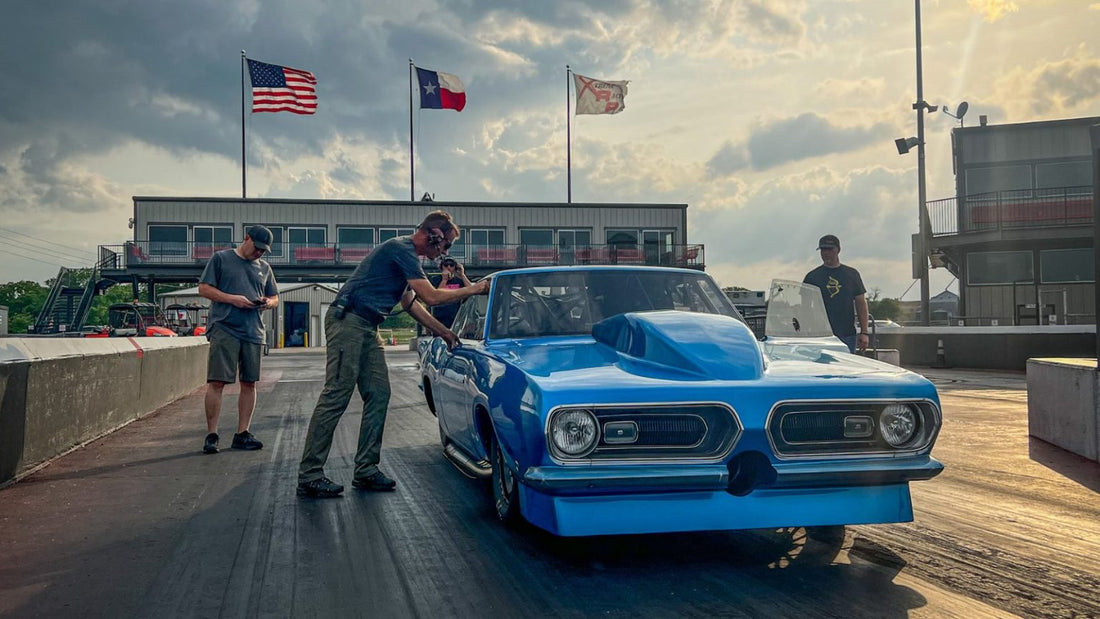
(925, 225)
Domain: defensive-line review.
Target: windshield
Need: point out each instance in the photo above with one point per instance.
(796, 310)
(570, 302)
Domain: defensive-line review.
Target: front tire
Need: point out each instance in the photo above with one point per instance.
(505, 486)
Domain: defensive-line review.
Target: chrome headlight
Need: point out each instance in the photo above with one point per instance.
(898, 424)
(573, 433)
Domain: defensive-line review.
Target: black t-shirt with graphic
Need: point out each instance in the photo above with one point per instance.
(840, 285)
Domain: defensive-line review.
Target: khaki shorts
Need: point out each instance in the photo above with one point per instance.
(227, 354)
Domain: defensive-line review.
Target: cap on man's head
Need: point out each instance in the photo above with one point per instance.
(261, 237)
(828, 241)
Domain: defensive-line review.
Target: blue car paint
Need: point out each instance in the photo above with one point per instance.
(519, 381)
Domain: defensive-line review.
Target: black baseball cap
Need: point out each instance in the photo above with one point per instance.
(261, 237)
(828, 241)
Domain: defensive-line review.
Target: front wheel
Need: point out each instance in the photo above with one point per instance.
(505, 486)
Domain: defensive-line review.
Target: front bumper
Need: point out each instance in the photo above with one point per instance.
(614, 480)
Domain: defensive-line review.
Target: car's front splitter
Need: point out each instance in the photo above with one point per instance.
(715, 510)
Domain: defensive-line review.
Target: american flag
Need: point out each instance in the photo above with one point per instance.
(282, 89)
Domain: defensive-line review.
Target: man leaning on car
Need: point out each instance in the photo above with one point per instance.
(390, 273)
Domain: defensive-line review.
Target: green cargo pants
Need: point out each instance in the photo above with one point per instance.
(355, 358)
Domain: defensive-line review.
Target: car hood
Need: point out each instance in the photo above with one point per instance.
(657, 347)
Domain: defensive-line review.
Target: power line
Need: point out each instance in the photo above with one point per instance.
(34, 258)
(51, 249)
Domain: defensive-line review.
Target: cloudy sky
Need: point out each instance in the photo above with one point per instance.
(773, 120)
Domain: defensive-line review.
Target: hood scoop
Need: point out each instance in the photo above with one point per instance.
(708, 345)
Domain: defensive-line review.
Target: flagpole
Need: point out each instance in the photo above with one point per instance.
(244, 192)
(568, 145)
(412, 155)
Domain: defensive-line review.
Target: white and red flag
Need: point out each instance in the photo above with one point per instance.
(599, 96)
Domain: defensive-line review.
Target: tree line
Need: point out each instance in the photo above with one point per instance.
(24, 299)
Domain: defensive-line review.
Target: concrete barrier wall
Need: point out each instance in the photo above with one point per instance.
(1062, 404)
(58, 393)
(989, 348)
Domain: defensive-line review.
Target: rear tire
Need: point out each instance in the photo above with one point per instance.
(505, 487)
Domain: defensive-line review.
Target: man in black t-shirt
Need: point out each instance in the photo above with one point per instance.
(843, 292)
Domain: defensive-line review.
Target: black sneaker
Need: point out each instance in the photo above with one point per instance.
(210, 445)
(321, 488)
(377, 481)
(245, 440)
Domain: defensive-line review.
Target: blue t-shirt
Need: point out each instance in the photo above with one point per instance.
(380, 279)
(231, 274)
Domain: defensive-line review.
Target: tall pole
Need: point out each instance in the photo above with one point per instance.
(244, 192)
(1094, 138)
(412, 156)
(920, 106)
(568, 144)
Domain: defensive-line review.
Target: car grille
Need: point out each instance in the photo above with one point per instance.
(805, 429)
(664, 432)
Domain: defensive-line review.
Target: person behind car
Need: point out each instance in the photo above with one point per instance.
(356, 357)
(452, 277)
(843, 292)
(240, 285)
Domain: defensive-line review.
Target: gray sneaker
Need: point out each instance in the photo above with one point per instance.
(210, 445)
(323, 488)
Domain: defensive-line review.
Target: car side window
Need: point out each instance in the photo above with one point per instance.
(470, 321)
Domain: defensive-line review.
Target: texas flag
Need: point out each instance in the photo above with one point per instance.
(440, 91)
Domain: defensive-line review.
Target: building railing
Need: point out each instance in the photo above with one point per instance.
(179, 254)
(1008, 210)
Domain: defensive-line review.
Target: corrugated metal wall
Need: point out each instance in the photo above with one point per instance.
(318, 296)
(331, 214)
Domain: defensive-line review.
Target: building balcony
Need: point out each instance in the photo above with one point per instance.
(179, 261)
(993, 214)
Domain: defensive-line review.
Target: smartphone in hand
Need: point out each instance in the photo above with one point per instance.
(259, 302)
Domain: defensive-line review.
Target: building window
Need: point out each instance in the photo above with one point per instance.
(998, 178)
(276, 239)
(537, 237)
(306, 236)
(1066, 266)
(1000, 267)
(220, 237)
(627, 239)
(355, 237)
(568, 239)
(1075, 174)
(484, 237)
(168, 240)
(385, 234)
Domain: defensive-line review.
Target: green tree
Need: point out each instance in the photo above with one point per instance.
(24, 299)
(883, 309)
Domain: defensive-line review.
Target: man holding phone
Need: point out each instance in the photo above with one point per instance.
(240, 285)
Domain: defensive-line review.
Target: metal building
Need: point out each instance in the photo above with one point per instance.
(1018, 233)
(323, 240)
(297, 321)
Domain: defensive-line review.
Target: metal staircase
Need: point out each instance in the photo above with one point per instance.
(67, 305)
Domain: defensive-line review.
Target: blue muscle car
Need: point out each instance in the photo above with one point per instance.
(606, 400)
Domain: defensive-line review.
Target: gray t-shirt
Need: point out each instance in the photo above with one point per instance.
(232, 274)
(382, 276)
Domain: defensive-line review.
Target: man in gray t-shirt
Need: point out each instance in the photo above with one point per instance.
(240, 286)
(356, 358)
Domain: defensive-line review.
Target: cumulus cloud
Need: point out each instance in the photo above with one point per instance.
(1066, 87)
(993, 10)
